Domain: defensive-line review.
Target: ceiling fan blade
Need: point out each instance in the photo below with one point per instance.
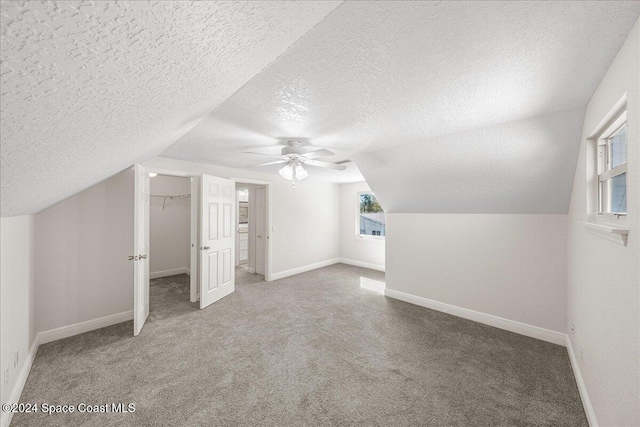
(270, 163)
(262, 154)
(318, 153)
(324, 164)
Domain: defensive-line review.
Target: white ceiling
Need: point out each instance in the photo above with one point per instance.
(88, 92)
(521, 167)
(89, 88)
(381, 74)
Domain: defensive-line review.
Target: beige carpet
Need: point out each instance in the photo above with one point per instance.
(312, 349)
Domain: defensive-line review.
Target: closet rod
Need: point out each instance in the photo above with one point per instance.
(177, 196)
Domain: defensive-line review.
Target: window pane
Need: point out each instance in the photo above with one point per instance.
(372, 220)
(619, 193)
(619, 146)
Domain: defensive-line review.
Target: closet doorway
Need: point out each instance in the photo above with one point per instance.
(172, 286)
(252, 233)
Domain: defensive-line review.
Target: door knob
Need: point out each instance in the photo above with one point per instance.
(205, 248)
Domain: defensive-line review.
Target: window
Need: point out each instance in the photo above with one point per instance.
(371, 219)
(612, 168)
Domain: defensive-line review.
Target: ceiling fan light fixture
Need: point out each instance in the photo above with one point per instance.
(287, 172)
(301, 173)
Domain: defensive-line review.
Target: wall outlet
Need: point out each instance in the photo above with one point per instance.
(6, 376)
(16, 358)
(573, 329)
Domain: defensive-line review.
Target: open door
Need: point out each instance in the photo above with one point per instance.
(217, 238)
(141, 249)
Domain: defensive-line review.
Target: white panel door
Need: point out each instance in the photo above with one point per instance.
(217, 238)
(261, 232)
(141, 249)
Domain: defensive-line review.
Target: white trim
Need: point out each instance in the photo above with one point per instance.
(582, 388)
(304, 268)
(187, 271)
(362, 264)
(268, 275)
(487, 319)
(172, 172)
(171, 272)
(613, 232)
(14, 397)
(82, 327)
(249, 181)
(619, 107)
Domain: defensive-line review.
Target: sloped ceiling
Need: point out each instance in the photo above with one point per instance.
(526, 166)
(374, 75)
(362, 77)
(89, 88)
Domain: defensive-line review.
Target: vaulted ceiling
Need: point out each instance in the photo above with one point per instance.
(406, 89)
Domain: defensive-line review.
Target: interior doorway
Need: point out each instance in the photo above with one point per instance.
(170, 244)
(211, 251)
(252, 229)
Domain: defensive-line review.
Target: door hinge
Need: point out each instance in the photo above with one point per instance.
(142, 257)
(133, 258)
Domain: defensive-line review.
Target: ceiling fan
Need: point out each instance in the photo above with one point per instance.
(295, 154)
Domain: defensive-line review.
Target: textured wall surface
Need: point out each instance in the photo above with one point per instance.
(604, 276)
(89, 88)
(379, 74)
(525, 166)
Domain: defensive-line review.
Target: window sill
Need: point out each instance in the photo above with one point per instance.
(615, 232)
(366, 237)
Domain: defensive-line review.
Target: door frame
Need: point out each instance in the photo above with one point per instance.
(194, 291)
(267, 185)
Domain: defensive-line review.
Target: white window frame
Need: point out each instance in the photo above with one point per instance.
(365, 236)
(603, 158)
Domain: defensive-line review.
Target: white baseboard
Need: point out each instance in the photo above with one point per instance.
(187, 271)
(82, 327)
(582, 388)
(304, 268)
(362, 264)
(14, 397)
(487, 319)
(165, 273)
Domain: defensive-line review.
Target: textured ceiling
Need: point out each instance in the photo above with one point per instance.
(526, 166)
(89, 88)
(381, 74)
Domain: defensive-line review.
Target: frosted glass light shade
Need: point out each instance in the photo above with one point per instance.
(301, 173)
(287, 172)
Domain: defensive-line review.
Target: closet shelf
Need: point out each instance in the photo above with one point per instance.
(176, 196)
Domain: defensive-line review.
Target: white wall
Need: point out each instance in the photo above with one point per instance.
(604, 276)
(356, 250)
(509, 266)
(82, 270)
(17, 326)
(305, 219)
(170, 235)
